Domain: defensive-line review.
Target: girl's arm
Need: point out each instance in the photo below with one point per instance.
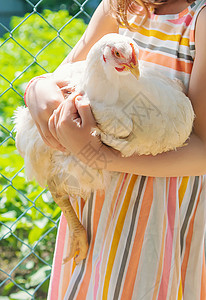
(186, 161)
(102, 22)
(44, 96)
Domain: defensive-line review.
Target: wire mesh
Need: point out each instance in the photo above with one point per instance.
(29, 217)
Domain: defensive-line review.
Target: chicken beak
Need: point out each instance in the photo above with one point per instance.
(134, 69)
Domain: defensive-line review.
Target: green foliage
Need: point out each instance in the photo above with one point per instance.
(71, 5)
(56, 5)
(29, 216)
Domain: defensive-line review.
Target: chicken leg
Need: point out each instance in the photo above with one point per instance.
(77, 233)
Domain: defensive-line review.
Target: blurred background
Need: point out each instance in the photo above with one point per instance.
(35, 36)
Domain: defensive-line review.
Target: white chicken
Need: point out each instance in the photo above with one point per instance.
(145, 114)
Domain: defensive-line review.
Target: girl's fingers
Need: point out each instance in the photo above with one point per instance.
(74, 95)
(67, 88)
(68, 110)
(52, 126)
(49, 131)
(85, 112)
(65, 114)
(65, 84)
(49, 139)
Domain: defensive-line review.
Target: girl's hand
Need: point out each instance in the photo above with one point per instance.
(72, 123)
(43, 97)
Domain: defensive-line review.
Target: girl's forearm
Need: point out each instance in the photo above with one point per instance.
(189, 160)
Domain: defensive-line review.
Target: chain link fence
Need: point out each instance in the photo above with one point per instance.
(33, 45)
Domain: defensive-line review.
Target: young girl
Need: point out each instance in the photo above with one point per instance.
(146, 234)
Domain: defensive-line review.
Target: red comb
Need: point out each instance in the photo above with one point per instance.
(134, 56)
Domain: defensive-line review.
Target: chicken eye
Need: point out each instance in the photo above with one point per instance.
(117, 54)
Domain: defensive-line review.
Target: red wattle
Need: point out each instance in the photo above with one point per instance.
(120, 69)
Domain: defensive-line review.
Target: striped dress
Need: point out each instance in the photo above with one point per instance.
(146, 234)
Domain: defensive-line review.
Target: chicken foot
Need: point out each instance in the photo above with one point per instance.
(77, 233)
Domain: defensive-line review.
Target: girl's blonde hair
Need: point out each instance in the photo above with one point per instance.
(121, 8)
